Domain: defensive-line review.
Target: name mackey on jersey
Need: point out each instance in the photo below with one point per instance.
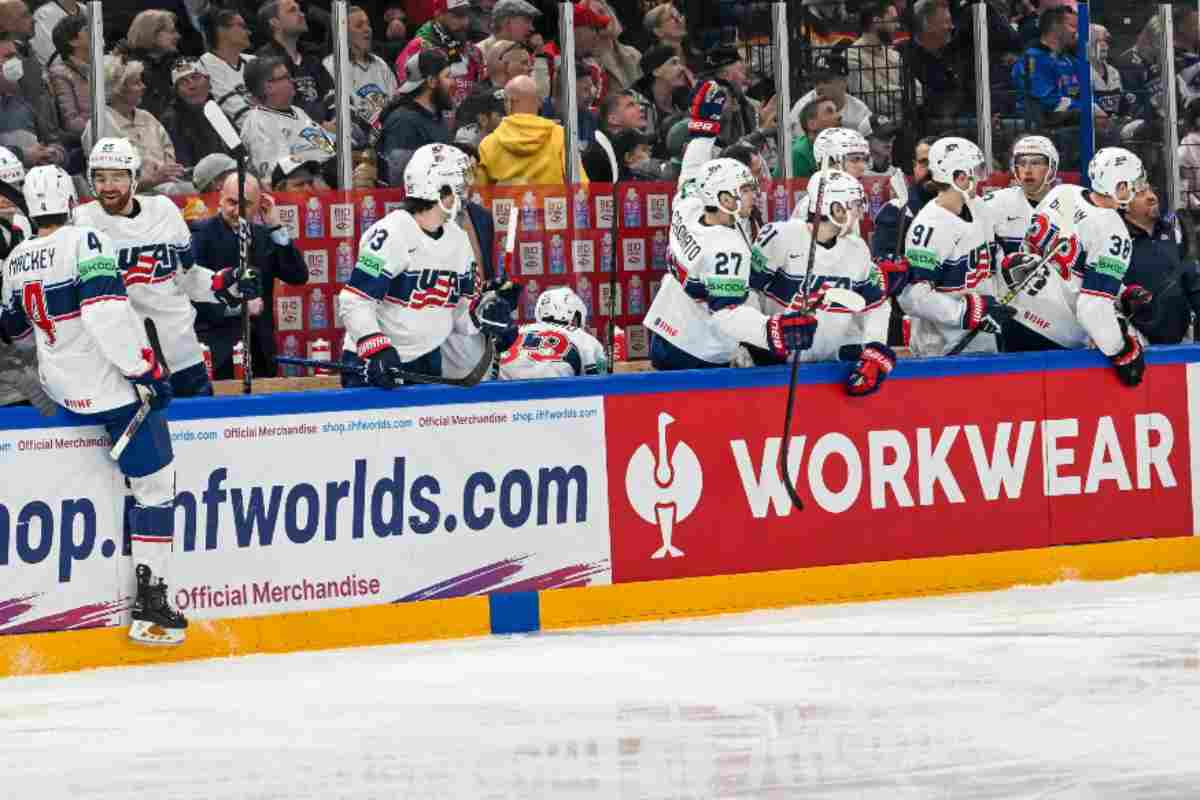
(65, 296)
(154, 255)
(410, 286)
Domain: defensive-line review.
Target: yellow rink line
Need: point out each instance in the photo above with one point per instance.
(30, 654)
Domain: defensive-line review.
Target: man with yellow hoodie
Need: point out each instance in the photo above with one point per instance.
(525, 148)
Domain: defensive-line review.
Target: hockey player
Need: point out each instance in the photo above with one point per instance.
(154, 255)
(64, 295)
(950, 288)
(842, 261)
(699, 316)
(12, 175)
(1034, 164)
(415, 280)
(556, 345)
(1073, 301)
(841, 149)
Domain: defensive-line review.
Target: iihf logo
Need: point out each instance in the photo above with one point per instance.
(662, 489)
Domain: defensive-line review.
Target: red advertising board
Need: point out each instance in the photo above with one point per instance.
(930, 466)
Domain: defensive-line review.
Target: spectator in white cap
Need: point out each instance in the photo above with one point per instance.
(184, 119)
(371, 79)
(292, 175)
(415, 118)
(447, 32)
(211, 170)
(275, 128)
(512, 21)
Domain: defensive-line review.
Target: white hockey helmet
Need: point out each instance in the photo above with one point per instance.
(724, 175)
(833, 145)
(113, 153)
(434, 167)
(12, 171)
(562, 306)
(1114, 167)
(48, 190)
(1034, 145)
(951, 155)
(838, 190)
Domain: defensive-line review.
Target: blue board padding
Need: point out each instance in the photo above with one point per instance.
(515, 612)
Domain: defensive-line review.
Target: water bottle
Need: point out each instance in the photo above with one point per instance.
(632, 209)
(369, 213)
(606, 251)
(581, 209)
(529, 300)
(528, 212)
(558, 258)
(659, 253)
(318, 310)
(584, 290)
(291, 347)
(345, 261)
(781, 202)
(637, 300)
(314, 219)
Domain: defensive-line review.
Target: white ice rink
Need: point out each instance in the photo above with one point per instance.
(1080, 690)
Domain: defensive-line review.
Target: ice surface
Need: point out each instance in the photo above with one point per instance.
(1079, 690)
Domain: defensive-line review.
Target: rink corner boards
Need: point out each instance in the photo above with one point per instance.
(845, 547)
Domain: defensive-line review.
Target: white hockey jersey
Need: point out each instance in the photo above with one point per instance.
(1010, 212)
(373, 82)
(154, 255)
(846, 264)
(269, 135)
(410, 286)
(228, 85)
(700, 306)
(1076, 305)
(546, 350)
(948, 257)
(64, 291)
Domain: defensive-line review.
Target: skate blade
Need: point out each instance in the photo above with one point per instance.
(153, 634)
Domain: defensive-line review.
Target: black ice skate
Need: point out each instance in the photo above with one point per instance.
(154, 621)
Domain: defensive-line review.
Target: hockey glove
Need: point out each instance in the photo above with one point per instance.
(509, 291)
(1130, 362)
(787, 333)
(1016, 267)
(152, 384)
(1137, 304)
(707, 104)
(230, 290)
(382, 360)
(895, 275)
(492, 314)
(875, 363)
(985, 313)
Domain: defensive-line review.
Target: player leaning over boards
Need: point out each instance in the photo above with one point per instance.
(557, 345)
(699, 316)
(64, 295)
(154, 255)
(416, 279)
(1034, 167)
(1073, 301)
(950, 288)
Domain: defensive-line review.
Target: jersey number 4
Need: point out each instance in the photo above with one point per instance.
(34, 300)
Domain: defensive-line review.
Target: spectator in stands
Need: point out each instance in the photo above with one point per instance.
(447, 32)
(215, 245)
(212, 170)
(225, 62)
(585, 99)
(16, 24)
(823, 23)
(669, 27)
(154, 41)
(274, 128)
(632, 150)
(395, 31)
(885, 235)
(512, 22)
(618, 113)
(45, 18)
(525, 148)
(192, 133)
(1107, 90)
(1158, 264)
(479, 115)
(1189, 156)
(1140, 73)
(294, 176)
(740, 117)
(17, 124)
(662, 89)
(621, 63)
(819, 114)
(285, 22)
(125, 118)
(945, 96)
(414, 118)
(876, 76)
(588, 27)
(880, 141)
(371, 78)
(1025, 21)
(829, 83)
(506, 61)
(70, 74)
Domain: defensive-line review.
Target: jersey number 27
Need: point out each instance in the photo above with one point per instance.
(723, 261)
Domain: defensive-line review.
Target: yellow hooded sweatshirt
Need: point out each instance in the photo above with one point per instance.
(524, 149)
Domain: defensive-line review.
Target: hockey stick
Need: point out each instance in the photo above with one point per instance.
(143, 411)
(1059, 244)
(785, 446)
(510, 244)
(470, 379)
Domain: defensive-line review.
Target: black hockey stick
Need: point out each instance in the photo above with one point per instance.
(144, 409)
(1007, 299)
(470, 379)
(815, 219)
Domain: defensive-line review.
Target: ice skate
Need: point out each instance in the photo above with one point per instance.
(154, 621)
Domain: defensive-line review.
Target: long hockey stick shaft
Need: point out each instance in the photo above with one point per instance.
(143, 411)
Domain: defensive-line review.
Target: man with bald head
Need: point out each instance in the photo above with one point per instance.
(272, 254)
(525, 148)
